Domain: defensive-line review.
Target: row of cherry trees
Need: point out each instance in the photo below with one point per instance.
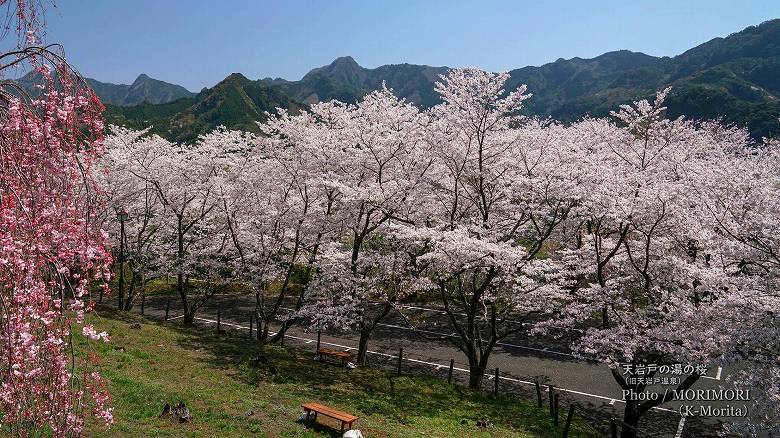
(643, 239)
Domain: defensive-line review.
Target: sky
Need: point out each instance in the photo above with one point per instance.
(198, 43)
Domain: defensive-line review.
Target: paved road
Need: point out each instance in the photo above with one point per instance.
(521, 360)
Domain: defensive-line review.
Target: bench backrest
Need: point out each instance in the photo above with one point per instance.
(334, 353)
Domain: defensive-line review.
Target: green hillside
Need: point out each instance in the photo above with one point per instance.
(236, 102)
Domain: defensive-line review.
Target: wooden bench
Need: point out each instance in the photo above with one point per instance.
(343, 356)
(342, 417)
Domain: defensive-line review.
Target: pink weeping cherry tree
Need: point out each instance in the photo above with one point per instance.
(51, 247)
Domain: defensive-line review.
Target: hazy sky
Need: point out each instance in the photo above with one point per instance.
(198, 43)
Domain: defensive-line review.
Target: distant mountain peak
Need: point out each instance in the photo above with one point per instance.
(344, 69)
(233, 79)
(624, 54)
(345, 61)
(236, 76)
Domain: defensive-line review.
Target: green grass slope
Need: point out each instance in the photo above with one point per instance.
(153, 363)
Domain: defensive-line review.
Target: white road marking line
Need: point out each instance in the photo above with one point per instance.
(427, 309)
(454, 313)
(571, 391)
(680, 427)
(717, 375)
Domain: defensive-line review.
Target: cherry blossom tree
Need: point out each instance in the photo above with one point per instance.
(266, 213)
(124, 189)
(286, 216)
(259, 212)
(188, 238)
(51, 245)
(376, 161)
(650, 283)
(742, 201)
(498, 189)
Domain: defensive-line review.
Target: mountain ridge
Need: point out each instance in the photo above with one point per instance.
(236, 102)
(143, 89)
(734, 78)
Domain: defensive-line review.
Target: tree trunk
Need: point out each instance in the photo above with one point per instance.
(363, 346)
(366, 328)
(189, 312)
(469, 337)
(282, 331)
(293, 320)
(476, 373)
(135, 284)
(630, 420)
(189, 317)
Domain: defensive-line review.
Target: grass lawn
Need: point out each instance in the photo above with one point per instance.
(163, 286)
(229, 397)
(167, 287)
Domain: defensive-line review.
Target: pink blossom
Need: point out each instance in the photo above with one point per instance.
(50, 243)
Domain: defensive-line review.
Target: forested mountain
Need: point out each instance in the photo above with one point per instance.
(143, 89)
(146, 89)
(736, 78)
(345, 80)
(236, 102)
